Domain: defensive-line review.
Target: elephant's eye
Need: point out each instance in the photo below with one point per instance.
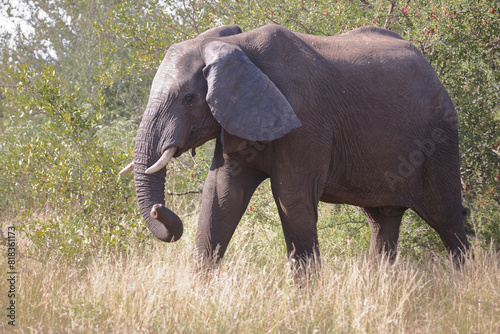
(188, 98)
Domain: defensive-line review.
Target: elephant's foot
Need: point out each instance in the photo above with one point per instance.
(205, 265)
(305, 270)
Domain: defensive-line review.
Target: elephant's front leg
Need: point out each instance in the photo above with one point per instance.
(297, 201)
(226, 194)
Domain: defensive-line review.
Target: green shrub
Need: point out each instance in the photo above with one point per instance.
(60, 162)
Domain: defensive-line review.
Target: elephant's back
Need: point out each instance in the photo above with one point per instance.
(373, 32)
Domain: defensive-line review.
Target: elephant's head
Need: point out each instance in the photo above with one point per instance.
(202, 86)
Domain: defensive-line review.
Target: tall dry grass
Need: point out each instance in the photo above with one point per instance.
(152, 290)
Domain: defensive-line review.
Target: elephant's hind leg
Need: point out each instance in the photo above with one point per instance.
(384, 226)
(449, 225)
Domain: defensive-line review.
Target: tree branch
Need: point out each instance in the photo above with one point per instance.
(184, 193)
(388, 18)
(366, 3)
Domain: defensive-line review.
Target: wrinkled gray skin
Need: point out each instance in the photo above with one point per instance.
(360, 118)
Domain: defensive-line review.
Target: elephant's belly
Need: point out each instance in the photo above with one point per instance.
(351, 199)
(360, 197)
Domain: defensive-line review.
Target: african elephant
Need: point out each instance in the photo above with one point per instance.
(359, 118)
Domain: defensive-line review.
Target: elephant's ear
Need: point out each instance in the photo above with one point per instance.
(242, 98)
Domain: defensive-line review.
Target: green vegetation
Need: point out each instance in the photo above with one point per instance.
(71, 94)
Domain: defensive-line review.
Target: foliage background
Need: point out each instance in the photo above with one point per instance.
(75, 77)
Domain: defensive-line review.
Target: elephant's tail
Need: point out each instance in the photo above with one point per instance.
(469, 228)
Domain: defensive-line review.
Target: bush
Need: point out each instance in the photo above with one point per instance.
(60, 163)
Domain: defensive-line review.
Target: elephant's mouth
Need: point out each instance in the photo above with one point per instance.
(180, 152)
(184, 150)
(171, 152)
(190, 146)
(163, 161)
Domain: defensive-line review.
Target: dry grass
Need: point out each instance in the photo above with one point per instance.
(153, 291)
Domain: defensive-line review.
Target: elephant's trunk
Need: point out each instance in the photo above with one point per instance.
(162, 222)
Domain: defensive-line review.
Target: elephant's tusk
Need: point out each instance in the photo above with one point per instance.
(163, 161)
(128, 169)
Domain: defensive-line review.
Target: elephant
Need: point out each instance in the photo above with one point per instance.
(359, 118)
